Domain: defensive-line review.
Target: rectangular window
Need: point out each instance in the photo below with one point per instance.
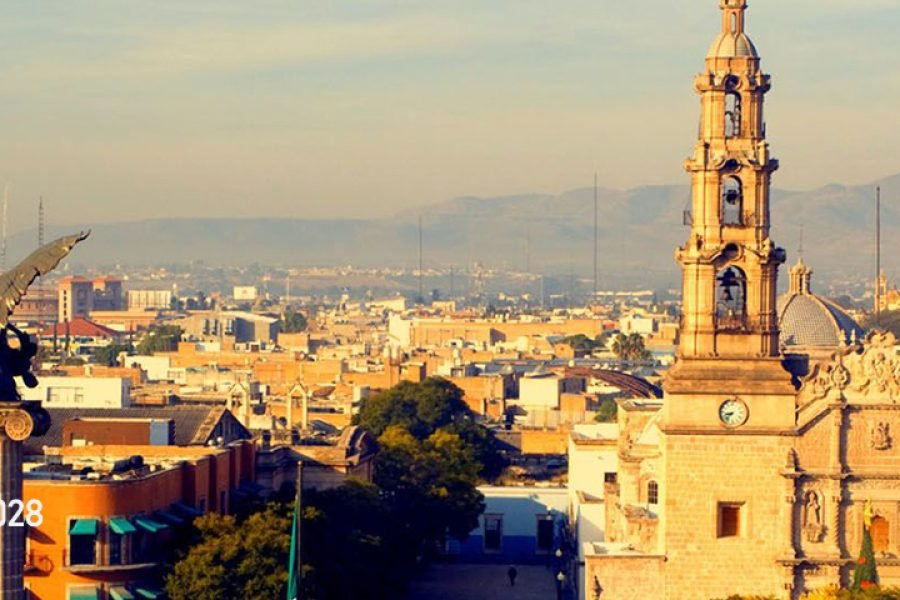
(493, 533)
(82, 549)
(544, 533)
(610, 478)
(116, 545)
(729, 519)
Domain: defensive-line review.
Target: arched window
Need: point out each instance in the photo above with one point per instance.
(732, 202)
(652, 492)
(732, 114)
(731, 299)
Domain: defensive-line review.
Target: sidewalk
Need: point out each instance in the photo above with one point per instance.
(482, 582)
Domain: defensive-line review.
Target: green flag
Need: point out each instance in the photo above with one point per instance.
(293, 587)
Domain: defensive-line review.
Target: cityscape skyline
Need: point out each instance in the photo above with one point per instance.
(329, 110)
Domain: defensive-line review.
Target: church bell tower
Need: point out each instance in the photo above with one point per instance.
(729, 263)
(729, 408)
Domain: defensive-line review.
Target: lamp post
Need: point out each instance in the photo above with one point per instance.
(560, 581)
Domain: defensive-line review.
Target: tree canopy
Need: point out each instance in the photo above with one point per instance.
(583, 344)
(630, 348)
(235, 560)
(293, 322)
(160, 338)
(109, 355)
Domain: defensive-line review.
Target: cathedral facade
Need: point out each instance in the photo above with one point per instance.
(779, 418)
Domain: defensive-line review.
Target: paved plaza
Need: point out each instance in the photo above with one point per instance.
(483, 582)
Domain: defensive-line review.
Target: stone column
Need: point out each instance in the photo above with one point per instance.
(18, 421)
(836, 498)
(12, 539)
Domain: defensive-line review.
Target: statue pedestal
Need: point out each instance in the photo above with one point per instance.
(18, 421)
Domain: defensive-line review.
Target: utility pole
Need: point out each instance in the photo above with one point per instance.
(421, 299)
(878, 255)
(596, 235)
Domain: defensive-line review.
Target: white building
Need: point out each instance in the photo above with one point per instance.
(148, 299)
(519, 525)
(541, 389)
(244, 293)
(81, 392)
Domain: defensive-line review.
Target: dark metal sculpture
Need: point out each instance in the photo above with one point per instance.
(21, 419)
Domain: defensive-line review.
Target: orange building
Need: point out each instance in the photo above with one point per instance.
(112, 513)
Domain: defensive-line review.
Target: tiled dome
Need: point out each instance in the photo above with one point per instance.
(731, 45)
(808, 320)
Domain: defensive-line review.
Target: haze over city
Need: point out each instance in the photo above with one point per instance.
(325, 109)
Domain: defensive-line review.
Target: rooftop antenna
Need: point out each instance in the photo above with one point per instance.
(41, 222)
(421, 299)
(878, 278)
(3, 241)
(596, 236)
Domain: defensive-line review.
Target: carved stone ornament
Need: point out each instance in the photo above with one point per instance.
(881, 436)
(866, 372)
(16, 423)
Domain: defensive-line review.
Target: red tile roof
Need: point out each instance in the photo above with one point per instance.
(80, 327)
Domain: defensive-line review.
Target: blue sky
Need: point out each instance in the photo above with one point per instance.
(327, 108)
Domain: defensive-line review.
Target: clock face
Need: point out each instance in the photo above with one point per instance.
(733, 412)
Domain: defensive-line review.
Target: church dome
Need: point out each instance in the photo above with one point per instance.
(808, 320)
(732, 45)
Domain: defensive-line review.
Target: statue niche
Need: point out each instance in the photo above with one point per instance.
(881, 436)
(813, 526)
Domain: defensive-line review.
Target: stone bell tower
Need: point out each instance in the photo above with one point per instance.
(729, 403)
(729, 263)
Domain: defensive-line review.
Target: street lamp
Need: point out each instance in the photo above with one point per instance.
(559, 553)
(560, 580)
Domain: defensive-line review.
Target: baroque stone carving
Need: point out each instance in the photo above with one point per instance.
(868, 371)
(881, 436)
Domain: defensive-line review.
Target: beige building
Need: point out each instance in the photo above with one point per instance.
(752, 476)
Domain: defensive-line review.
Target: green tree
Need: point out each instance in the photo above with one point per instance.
(350, 547)
(630, 348)
(429, 486)
(581, 343)
(865, 573)
(293, 322)
(160, 338)
(109, 355)
(607, 412)
(235, 560)
(420, 408)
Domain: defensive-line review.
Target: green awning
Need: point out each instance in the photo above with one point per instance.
(167, 517)
(121, 525)
(148, 524)
(83, 527)
(186, 509)
(84, 594)
(117, 592)
(148, 592)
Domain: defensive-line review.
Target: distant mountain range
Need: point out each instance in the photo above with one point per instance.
(639, 230)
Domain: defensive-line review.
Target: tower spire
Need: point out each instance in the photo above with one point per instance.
(733, 16)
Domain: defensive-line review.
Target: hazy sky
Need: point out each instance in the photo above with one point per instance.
(126, 109)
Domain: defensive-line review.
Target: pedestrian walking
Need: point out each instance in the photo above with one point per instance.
(512, 572)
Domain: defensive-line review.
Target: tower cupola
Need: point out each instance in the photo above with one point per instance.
(733, 41)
